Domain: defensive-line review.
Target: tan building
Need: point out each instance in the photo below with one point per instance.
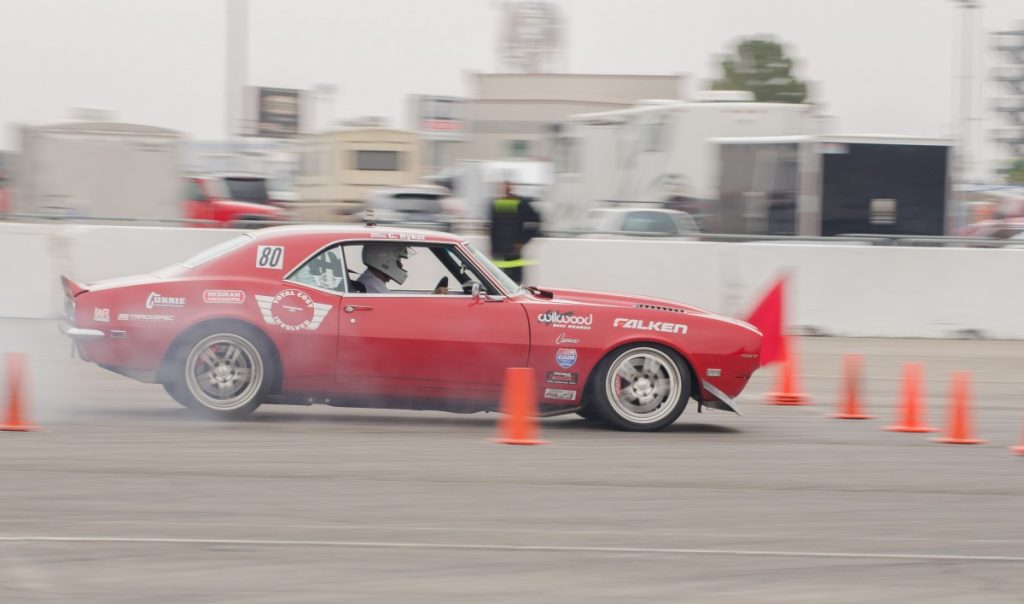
(337, 169)
(512, 114)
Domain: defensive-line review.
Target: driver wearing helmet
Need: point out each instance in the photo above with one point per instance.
(383, 264)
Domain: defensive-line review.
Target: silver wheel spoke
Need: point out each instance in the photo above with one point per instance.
(208, 357)
(242, 375)
(231, 354)
(653, 386)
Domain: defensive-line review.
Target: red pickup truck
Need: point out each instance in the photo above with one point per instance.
(227, 198)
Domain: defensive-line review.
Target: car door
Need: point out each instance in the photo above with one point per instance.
(416, 343)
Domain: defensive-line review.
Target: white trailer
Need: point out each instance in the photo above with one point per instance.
(657, 150)
(100, 170)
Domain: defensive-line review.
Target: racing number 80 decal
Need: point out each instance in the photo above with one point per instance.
(269, 256)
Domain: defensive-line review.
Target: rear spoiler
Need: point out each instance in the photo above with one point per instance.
(71, 288)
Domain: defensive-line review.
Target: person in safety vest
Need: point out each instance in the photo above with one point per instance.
(514, 222)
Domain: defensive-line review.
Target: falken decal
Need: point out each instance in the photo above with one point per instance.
(292, 310)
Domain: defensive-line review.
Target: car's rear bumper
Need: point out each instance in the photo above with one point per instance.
(78, 333)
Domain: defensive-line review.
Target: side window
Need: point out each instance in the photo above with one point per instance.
(411, 268)
(193, 192)
(325, 271)
(648, 222)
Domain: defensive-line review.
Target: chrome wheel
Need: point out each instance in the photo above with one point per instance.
(644, 386)
(224, 371)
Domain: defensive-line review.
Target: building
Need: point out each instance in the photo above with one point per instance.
(337, 169)
(1010, 105)
(513, 115)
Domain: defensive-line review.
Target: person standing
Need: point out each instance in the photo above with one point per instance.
(514, 222)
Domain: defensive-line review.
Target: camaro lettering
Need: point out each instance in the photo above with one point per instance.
(567, 320)
(564, 339)
(642, 325)
(156, 299)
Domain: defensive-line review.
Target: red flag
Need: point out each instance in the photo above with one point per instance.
(767, 317)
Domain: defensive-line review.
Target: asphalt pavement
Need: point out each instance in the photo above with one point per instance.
(123, 496)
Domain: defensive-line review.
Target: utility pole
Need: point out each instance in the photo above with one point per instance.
(235, 66)
(968, 14)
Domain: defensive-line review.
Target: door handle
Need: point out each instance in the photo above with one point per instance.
(352, 308)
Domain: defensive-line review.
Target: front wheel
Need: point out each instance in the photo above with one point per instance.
(223, 374)
(641, 388)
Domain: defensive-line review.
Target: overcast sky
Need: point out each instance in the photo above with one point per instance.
(878, 65)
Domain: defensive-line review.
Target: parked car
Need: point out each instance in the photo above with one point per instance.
(421, 206)
(278, 316)
(228, 198)
(639, 222)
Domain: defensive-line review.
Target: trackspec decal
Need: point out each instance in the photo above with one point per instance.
(558, 394)
(565, 320)
(101, 315)
(126, 316)
(562, 377)
(565, 357)
(650, 325)
(292, 310)
(154, 299)
(564, 339)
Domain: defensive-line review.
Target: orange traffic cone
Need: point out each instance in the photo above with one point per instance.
(15, 372)
(959, 422)
(912, 406)
(851, 406)
(1019, 449)
(518, 425)
(788, 392)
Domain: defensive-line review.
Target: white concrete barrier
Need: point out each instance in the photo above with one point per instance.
(834, 289)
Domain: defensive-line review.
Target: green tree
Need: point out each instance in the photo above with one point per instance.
(761, 66)
(1015, 175)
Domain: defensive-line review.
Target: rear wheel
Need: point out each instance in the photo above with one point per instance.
(641, 388)
(222, 373)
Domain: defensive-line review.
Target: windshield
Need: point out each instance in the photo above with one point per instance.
(494, 272)
(217, 250)
(417, 203)
(253, 190)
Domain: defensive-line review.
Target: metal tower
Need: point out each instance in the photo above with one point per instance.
(1010, 73)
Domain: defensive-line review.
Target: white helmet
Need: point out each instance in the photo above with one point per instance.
(387, 259)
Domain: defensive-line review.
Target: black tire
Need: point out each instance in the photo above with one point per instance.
(641, 387)
(222, 372)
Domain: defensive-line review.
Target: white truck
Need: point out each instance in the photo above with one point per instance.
(99, 170)
(658, 150)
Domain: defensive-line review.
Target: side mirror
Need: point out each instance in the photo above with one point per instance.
(475, 291)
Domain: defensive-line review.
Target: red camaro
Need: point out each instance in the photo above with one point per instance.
(380, 317)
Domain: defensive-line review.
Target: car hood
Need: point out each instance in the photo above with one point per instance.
(249, 207)
(579, 296)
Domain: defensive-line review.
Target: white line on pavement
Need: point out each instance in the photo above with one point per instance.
(511, 548)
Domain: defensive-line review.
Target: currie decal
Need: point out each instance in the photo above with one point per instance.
(561, 395)
(154, 299)
(561, 377)
(292, 310)
(565, 320)
(223, 296)
(101, 315)
(650, 325)
(564, 339)
(565, 357)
